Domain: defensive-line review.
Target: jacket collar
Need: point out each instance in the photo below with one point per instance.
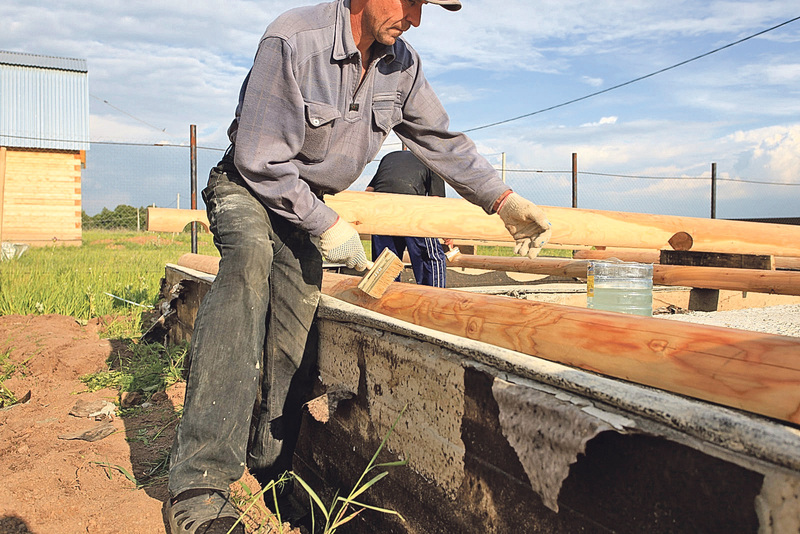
(344, 46)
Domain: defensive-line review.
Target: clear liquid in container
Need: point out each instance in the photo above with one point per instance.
(620, 286)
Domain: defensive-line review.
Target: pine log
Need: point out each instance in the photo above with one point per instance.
(654, 256)
(389, 214)
(751, 371)
(455, 218)
(754, 280)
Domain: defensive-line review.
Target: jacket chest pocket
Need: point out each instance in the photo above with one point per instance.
(386, 111)
(320, 119)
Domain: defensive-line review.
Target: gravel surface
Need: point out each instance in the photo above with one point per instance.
(782, 320)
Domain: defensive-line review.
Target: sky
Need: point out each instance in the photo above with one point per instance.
(157, 67)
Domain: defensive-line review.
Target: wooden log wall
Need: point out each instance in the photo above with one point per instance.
(41, 197)
(752, 371)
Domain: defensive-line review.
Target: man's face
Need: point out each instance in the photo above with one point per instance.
(388, 19)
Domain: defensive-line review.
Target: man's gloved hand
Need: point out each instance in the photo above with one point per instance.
(527, 224)
(341, 244)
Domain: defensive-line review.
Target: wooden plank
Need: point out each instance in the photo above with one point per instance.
(694, 258)
(384, 213)
(745, 370)
(754, 280)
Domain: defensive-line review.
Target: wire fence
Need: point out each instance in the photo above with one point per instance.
(121, 180)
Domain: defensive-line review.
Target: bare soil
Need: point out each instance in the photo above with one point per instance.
(54, 485)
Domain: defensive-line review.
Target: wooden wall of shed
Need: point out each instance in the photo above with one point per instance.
(41, 197)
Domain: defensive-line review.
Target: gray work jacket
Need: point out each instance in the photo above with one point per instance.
(305, 125)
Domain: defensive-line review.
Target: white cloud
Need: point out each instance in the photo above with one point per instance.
(601, 122)
(769, 154)
(594, 82)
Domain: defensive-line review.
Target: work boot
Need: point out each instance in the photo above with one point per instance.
(202, 511)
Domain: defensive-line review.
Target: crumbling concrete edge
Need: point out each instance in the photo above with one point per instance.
(746, 439)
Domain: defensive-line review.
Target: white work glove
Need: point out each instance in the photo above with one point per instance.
(527, 224)
(341, 244)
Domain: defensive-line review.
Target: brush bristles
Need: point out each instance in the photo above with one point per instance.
(382, 273)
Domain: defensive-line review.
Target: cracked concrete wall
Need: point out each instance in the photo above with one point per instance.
(400, 372)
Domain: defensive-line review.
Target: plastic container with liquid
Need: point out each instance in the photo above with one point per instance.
(620, 286)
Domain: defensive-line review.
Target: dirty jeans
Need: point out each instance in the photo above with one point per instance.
(252, 357)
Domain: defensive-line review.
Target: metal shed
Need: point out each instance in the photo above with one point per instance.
(44, 135)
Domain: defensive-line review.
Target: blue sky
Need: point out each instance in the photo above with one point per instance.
(171, 64)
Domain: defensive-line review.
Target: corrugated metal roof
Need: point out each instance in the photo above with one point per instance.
(44, 102)
(43, 62)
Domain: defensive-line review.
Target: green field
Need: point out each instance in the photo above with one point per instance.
(95, 279)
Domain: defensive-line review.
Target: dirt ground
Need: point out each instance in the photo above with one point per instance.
(56, 485)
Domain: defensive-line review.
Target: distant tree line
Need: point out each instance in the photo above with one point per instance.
(123, 217)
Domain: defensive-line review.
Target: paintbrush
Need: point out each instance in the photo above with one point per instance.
(380, 274)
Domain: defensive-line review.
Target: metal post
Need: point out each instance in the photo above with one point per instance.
(574, 179)
(193, 165)
(713, 190)
(503, 167)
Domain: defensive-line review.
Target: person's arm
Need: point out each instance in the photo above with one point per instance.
(271, 132)
(455, 158)
(451, 155)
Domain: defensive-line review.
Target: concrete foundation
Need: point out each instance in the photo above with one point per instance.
(497, 441)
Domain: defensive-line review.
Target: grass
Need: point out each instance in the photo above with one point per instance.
(95, 279)
(114, 276)
(340, 512)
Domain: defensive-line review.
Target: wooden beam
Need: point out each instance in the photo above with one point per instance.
(173, 220)
(717, 259)
(388, 214)
(653, 256)
(384, 213)
(750, 371)
(541, 265)
(754, 280)
(746, 370)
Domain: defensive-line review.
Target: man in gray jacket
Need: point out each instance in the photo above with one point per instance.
(328, 84)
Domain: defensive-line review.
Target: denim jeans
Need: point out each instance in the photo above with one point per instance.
(253, 359)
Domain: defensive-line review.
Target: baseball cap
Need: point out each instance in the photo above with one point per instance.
(452, 5)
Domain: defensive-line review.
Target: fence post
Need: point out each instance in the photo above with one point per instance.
(574, 179)
(713, 190)
(193, 165)
(503, 167)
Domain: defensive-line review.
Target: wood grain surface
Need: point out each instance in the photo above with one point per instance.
(751, 371)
